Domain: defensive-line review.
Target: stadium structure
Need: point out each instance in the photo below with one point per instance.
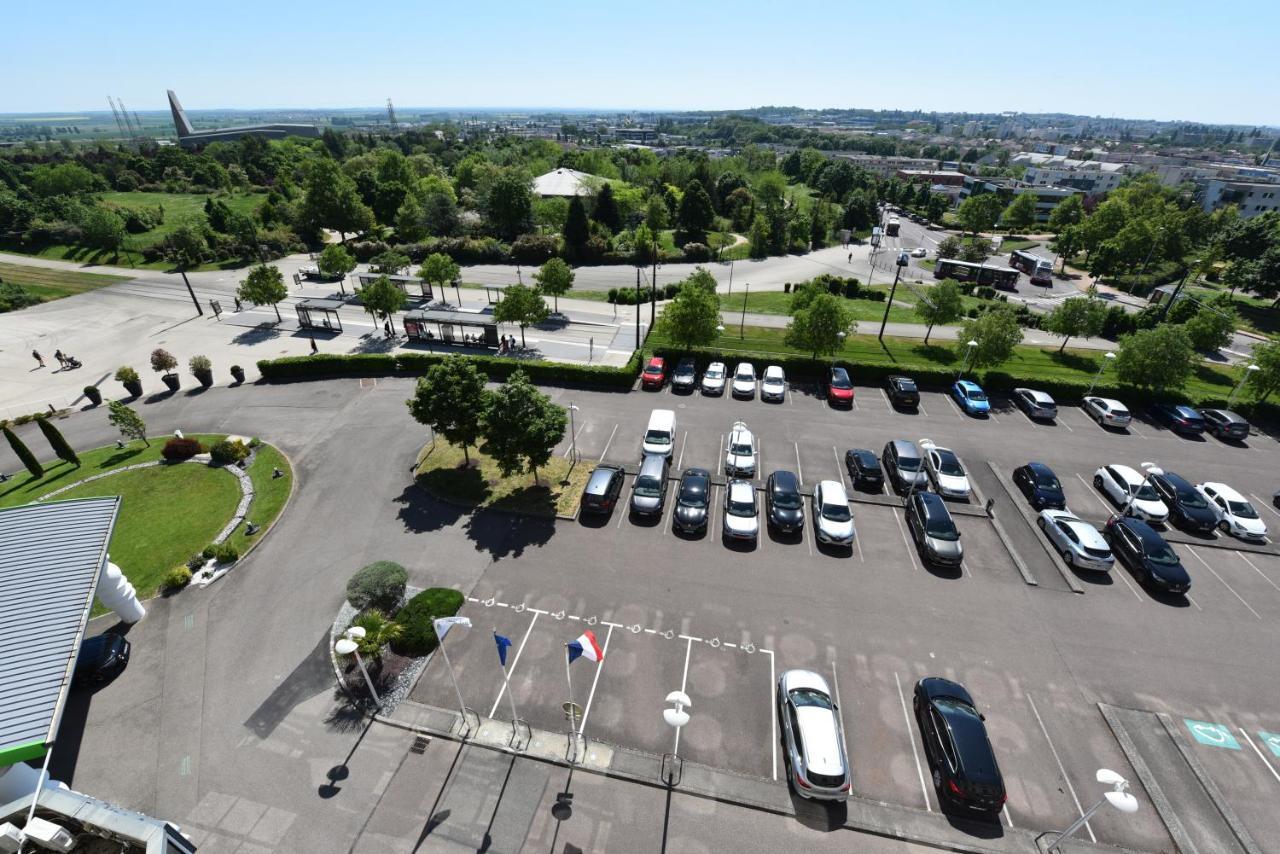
(189, 137)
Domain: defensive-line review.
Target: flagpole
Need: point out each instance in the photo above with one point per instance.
(506, 680)
(573, 710)
(462, 706)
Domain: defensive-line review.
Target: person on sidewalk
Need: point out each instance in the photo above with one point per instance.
(314, 348)
(386, 327)
(62, 360)
(35, 354)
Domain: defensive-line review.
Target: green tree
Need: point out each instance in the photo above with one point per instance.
(1068, 243)
(439, 269)
(522, 305)
(555, 277)
(656, 215)
(1213, 324)
(382, 296)
(606, 210)
(979, 213)
(128, 422)
(103, 230)
(379, 630)
(759, 237)
(936, 208)
(509, 203)
(391, 262)
(950, 247)
(264, 286)
(692, 316)
(522, 426)
(1020, 215)
(1068, 212)
(59, 444)
(695, 216)
(1076, 317)
(997, 333)
(331, 200)
(23, 453)
(942, 303)
(187, 245)
(1159, 358)
(64, 179)
(1266, 380)
(451, 399)
(336, 261)
(576, 231)
(818, 326)
(975, 250)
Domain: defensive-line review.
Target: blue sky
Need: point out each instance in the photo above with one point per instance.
(1131, 58)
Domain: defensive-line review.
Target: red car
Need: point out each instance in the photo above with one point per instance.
(839, 387)
(655, 373)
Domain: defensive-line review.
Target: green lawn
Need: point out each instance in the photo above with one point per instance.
(1255, 313)
(777, 302)
(440, 471)
(1011, 245)
(49, 284)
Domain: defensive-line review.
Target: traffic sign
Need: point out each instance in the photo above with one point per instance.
(1214, 735)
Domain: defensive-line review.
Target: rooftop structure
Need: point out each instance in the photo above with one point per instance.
(189, 137)
(564, 182)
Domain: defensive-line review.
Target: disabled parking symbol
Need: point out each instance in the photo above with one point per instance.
(1271, 740)
(1214, 735)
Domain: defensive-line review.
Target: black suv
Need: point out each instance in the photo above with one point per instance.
(1040, 485)
(865, 469)
(692, 501)
(602, 489)
(1187, 508)
(956, 745)
(902, 391)
(685, 377)
(783, 502)
(100, 658)
(1146, 554)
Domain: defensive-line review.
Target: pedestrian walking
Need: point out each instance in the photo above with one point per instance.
(386, 327)
(850, 257)
(35, 354)
(62, 360)
(237, 303)
(314, 348)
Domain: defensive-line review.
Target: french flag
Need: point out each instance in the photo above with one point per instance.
(586, 647)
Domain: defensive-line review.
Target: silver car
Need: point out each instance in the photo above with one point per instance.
(713, 378)
(813, 737)
(1036, 403)
(1080, 544)
(1107, 412)
(741, 519)
(649, 492)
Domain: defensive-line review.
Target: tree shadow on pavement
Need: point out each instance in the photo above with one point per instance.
(257, 334)
(421, 513)
(503, 534)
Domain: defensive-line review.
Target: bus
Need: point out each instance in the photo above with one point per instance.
(1040, 270)
(891, 230)
(982, 274)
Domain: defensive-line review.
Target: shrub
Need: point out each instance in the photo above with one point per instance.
(162, 360)
(379, 585)
(227, 452)
(534, 248)
(697, 252)
(199, 364)
(225, 553)
(196, 561)
(419, 636)
(613, 295)
(176, 578)
(985, 292)
(175, 450)
(126, 374)
(669, 291)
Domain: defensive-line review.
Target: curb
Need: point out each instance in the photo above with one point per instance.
(1158, 798)
(1054, 558)
(1210, 788)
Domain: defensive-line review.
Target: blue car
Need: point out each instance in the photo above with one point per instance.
(971, 397)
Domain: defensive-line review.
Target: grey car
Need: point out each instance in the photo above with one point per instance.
(933, 529)
(904, 465)
(813, 737)
(649, 492)
(1080, 544)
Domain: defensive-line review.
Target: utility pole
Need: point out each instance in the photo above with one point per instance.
(637, 308)
(1177, 290)
(653, 285)
(187, 282)
(902, 262)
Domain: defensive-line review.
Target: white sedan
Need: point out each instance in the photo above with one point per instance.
(713, 379)
(773, 385)
(945, 470)
(744, 380)
(1129, 491)
(831, 517)
(919, 252)
(741, 521)
(1236, 516)
(1079, 543)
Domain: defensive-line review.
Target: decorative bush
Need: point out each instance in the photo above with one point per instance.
(162, 360)
(697, 252)
(177, 578)
(227, 452)
(126, 374)
(176, 450)
(419, 635)
(199, 365)
(534, 248)
(379, 585)
(225, 553)
(196, 561)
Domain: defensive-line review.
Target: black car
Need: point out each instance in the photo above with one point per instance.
(1187, 507)
(865, 469)
(783, 502)
(693, 500)
(1179, 418)
(902, 391)
(1225, 424)
(685, 377)
(1146, 554)
(1040, 485)
(965, 771)
(100, 658)
(602, 489)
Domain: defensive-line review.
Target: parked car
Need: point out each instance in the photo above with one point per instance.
(904, 465)
(864, 469)
(603, 489)
(1077, 541)
(934, 530)
(773, 385)
(1040, 485)
(713, 378)
(971, 397)
(1179, 418)
(649, 491)
(1107, 412)
(1037, 404)
(902, 391)
(100, 658)
(783, 501)
(655, 374)
(1121, 483)
(839, 387)
(740, 452)
(1236, 516)
(1148, 557)
(961, 760)
(660, 436)
(1225, 424)
(744, 380)
(919, 251)
(685, 376)
(1188, 509)
(832, 519)
(944, 468)
(741, 520)
(692, 501)
(813, 737)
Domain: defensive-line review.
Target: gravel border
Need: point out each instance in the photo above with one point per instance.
(404, 682)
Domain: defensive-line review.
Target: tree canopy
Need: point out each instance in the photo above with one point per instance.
(817, 327)
(522, 426)
(996, 332)
(554, 277)
(522, 305)
(1159, 358)
(452, 400)
(692, 316)
(943, 303)
(1076, 317)
(264, 286)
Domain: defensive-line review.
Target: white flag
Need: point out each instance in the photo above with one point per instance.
(445, 623)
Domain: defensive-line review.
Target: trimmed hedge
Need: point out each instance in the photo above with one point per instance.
(176, 450)
(379, 585)
(419, 636)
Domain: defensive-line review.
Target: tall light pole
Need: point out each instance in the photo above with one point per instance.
(742, 326)
(968, 355)
(1151, 469)
(1106, 357)
(903, 260)
(1154, 240)
(573, 433)
(1247, 371)
(1118, 797)
(347, 645)
(676, 718)
(1194, 265)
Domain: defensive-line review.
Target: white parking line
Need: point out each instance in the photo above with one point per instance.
(684, 443)
(514, 662)
(1089, 488)
(1134, 430)
(773, 713)
(715, 508)
(911, 553)
(924, 790)
(1264, 759)
(1063, 771)
(610, 442)
(1007, 817)
(955, 409)
(670, 512)
(885, 397)
(582, 724)
(1194, 602)
(1127, 583)
(857, 541)
(840, 470)
(684, 680)
(1271, 509)
(622, 508)
(1224, 583)
(1059, 420)
(799, 468)
(1265, 577)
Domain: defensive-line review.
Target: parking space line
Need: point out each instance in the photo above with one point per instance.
(684, 680)
(1127, 583)
(514, 662)
(911, 738)
(910, 551)
(622, 511)
(1194, 602)
(857, 541)
(1265, 577)
(840, 470)
(799, 468)
(1224, 582)
(955, 409)
(885, 398)
(773, 713)
(1264, 759)
(1064, 424)
(1005, 809)
(1264, 504)
(1061, 770)
(684, 443)
(605, 452)
(670, 514)
(991, 414)
(1134, 430)
(1089, 488)
(586, 710)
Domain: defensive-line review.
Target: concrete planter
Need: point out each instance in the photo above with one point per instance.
(172, 381)
(205, 378)
(134, 387)
(94, 395)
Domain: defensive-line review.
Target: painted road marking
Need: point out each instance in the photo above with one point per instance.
(582, 724)
(955, 409)
(924, 790)
(1270, 767)
(1265, 504)
(684, 681)
(1061, 770)
(573, 441)
(1089, 488)
(840, 471)
(1224, 583)
(514, 662)
(1271, 740)
(1265, 577)
(623, 510)
(911, 553)
(684, 443)
(1214, 735)
(605, 452)
(857, 541)
(885, 398)
(799, 468)
(184, 767)
(1194, 602)
(1127, 583)
(712, 529)
(773, 713)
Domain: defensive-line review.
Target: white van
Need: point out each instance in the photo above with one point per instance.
(660, 438)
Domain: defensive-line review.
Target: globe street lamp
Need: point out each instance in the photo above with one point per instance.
(1118, 797)
(969, 348)
(1107, 357)
(676, 718)
(347, 645)
(573, 433)
(1247, 371)
(1152, 470)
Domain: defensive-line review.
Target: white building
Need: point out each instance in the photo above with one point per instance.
(1251, 198)
(1088, 175)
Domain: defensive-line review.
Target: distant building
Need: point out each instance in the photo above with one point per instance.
(564, 183)
(189, 137)
(1252, 198)
(933, 177)
(1086, 175)
(1047, 198)
(886, 165)
(641, 135)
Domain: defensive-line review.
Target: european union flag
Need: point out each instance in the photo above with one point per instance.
(502, 643)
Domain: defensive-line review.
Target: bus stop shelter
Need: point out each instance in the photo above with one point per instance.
(404, 283)
(465, 328)
(320, 314)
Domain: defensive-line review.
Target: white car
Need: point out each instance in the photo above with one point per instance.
(1121, 483)
(945, 470)
(744, 380)
(919, 252)
(832, 520)
(740, 453)
(1236, 516)
(713, 379)
(773, 385)
(1107, 412)
(741, 521)
(1080, 544)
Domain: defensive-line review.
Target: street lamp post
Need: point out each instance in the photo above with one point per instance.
(743, 325)
(1107, 357)
(1118, 797)
(676, 718)
(1247, 371)
(903, 260)
(1194, 265)
(1151, 469)
(968, 355)
(573, 433)
(347, 645)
